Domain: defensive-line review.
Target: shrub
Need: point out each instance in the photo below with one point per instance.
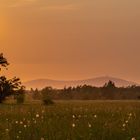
(48, 101)
(20, 96)
(46, 96)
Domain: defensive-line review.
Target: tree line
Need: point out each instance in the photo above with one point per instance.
(87, 92)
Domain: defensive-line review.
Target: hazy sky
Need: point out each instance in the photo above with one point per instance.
(71, 39)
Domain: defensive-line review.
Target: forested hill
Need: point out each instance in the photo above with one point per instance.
(99, 81)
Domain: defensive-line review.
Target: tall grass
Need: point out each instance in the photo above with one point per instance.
(77, 120)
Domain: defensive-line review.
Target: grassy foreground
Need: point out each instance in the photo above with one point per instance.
(76, 120)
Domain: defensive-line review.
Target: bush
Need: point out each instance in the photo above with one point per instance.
(20, 96)
(46, 96)
(48, 101)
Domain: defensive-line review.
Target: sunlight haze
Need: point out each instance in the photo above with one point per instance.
(73, 39)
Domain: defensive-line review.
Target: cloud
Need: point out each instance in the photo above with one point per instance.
(19, 3)
(60, 7)
(41, 5)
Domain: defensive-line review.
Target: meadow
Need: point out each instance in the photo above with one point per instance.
(71, 120)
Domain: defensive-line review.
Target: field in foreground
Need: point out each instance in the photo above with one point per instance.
(76, 120)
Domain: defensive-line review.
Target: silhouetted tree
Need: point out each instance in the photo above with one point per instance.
(3, 61)
(36, 94)
(108, 90)
(8, 86)
(110, 85)
(47, 95)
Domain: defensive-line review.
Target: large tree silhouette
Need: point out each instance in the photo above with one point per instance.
(8, 87)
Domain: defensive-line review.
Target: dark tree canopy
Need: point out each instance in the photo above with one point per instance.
(3, 61)
(8, 87)
(110, 84)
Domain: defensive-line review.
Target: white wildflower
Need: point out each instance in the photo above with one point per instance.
(25, 126)
(95, 116)
(73, 116)
(124, 125)
(89, 125)
(130, 114)
(126, 121)
(73, 125)
(37, 115)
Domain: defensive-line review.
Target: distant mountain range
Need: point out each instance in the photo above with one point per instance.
(99, 81)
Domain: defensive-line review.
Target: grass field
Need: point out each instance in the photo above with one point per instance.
(75, 120)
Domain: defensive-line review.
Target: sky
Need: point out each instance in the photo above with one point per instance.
(71, 39)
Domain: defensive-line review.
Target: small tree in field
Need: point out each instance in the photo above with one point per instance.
(46, 96)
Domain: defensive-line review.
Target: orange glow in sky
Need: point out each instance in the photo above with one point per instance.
(73, 39)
